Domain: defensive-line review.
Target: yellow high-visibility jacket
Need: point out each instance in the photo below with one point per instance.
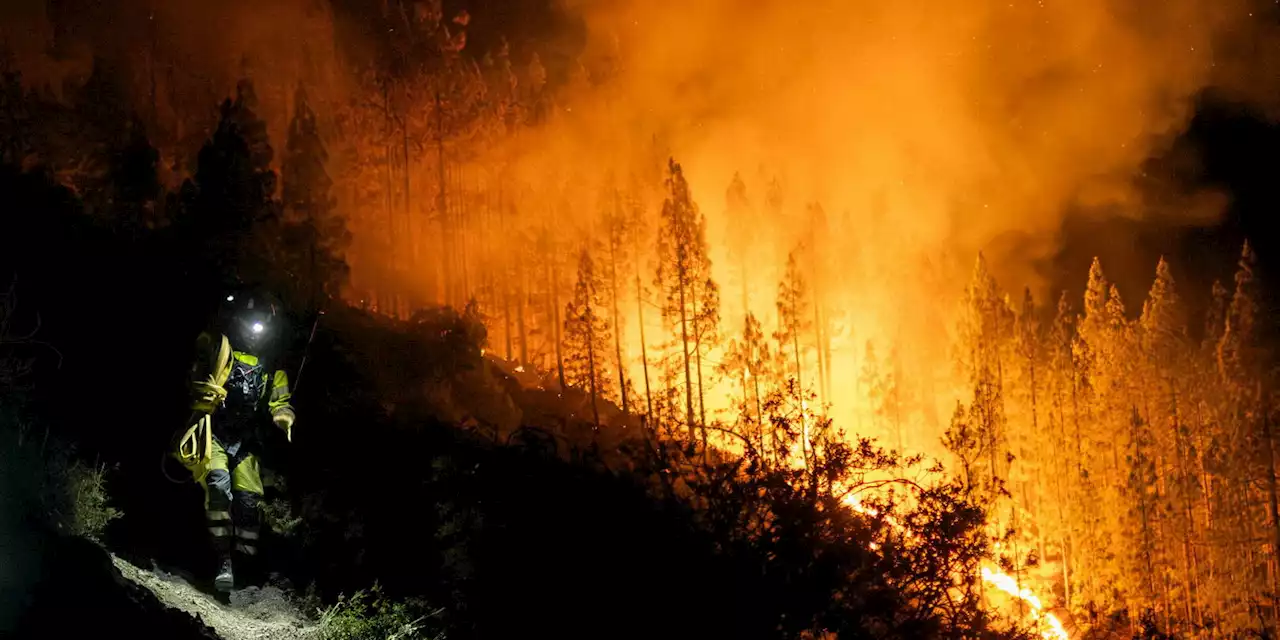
(209, 374)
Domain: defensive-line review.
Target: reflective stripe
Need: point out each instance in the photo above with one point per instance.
(246, 549)
(220, 532)
(246, 358)
(247, 534)
(217, 515)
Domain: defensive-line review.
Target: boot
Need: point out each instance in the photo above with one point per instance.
(226, 579)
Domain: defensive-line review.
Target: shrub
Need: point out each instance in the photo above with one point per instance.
(369, 615)
(79, 504)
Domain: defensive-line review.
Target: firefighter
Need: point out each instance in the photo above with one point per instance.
(237, 395)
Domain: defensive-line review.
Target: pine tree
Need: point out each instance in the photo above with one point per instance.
(750, 360)
(869, 382)
(892, 395)
(547, 251)
(741, 229)
(587, 335)
(1236, 353)
(315, 233)
(1071, 478)
(135, 182)
(231, 197)
(621, 226)
(1248, 438)
(985, 330)
(794, 327)
(102, 124)
(967, 446)
(819, 256)
(1139, 552)
(634, 204)
(690, 304)
(16, 144)
(1166, 354)
(253, 129)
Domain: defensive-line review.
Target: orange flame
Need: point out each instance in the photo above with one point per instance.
(1049, 625)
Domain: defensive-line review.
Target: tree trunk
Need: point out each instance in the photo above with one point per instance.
(520, 323)
(506, 312)
(702, 406)
(617, 325)
(644, 350)
(682, 277)
(822, 364)
(442, 208)
(755, 382)
(391, 219)
(591, 363)
(461, 204)
(553, 304)
(408, 210)
(804, 419)
(1188, 513)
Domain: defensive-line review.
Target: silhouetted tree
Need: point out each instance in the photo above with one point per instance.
(232, 196)
(314, 234)
(587, 335)
(136, 191)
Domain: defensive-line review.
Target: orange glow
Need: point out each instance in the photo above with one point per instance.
(1047, 624)
(1050, 627)
(885, 144)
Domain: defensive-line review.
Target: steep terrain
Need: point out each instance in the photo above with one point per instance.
(253, 613)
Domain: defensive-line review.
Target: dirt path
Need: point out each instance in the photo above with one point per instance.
(254, 614)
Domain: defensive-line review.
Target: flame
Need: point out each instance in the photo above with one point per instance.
(1050, 626)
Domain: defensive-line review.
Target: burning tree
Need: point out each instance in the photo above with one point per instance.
(691, 299)
(985, 329)
(750, 360)
(741, 224)
(621, 224)
(587, 336)
(794, 325)
(818, 256)
(883, 382)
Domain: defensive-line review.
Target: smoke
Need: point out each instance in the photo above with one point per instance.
(176, 61)
(976, 125)
(966, 125)
(927, 131)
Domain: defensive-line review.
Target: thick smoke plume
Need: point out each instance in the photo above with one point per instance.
(963, 121)
(927, 131)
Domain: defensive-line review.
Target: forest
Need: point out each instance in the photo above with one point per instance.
(534, 307)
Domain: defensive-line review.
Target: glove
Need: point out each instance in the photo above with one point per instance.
(284, 420)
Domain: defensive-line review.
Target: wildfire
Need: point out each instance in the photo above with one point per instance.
(1049, 625)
